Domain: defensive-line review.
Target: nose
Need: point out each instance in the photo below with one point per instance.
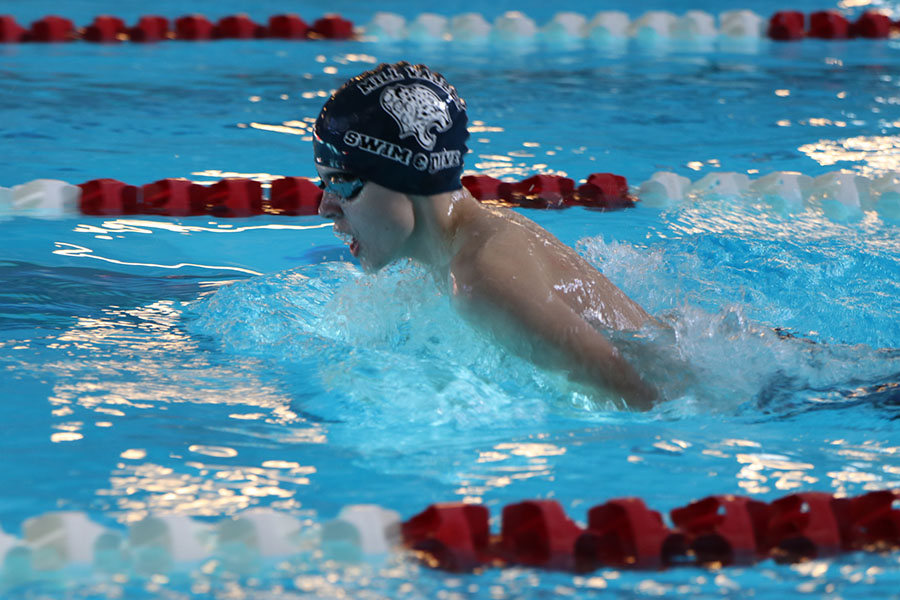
(330, 206)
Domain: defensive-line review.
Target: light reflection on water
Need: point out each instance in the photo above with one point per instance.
(871, 155)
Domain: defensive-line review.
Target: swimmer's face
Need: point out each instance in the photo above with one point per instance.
(376, 222)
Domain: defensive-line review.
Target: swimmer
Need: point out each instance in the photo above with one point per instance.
(389, 148)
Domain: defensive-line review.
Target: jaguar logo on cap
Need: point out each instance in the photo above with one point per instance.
(418, 111)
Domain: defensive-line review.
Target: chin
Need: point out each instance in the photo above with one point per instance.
(370, 267)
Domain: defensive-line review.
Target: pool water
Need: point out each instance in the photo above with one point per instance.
(162, 366)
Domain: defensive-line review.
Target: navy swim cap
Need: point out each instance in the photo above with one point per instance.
(402, 126)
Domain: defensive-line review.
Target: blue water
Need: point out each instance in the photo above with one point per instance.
(195, 367)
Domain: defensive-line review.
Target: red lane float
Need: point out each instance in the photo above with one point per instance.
(829, 25)
(624, 533)
(10, 31)
(234, 198)
(193, 27)
(803, 526)
(108, 197)
(537, 533)
(868, 522)
(333, 27)
(105, 29)
(51, 29)
(724, 530)
(294, 196)
(238, 27)
(453, 537)
(150, 29)
(287, 27)
(603, 191)
(173, 197)
(787, 25)
(872, 25)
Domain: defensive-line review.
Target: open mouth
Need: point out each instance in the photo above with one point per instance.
(350, 241)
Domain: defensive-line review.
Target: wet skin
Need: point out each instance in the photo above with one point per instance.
(506, 274)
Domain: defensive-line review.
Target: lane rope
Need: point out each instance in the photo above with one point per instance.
(839, 195)
(622, 533)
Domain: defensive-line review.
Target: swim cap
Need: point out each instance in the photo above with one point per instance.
(402, 126)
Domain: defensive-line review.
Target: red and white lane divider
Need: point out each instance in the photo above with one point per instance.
(621, 533)
(512, 27)
(840, 196)
(291, 196)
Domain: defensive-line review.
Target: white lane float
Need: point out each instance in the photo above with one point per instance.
(663, 189)
(59, 538)
(158, 544)
(514, 27)
(694, 25)
(610, 26)
(470, 28)
(386, 27)
(48, 198)
(361, 532)
(15, 561)
(427, 28)
(785, 191)
(885, 196)
(742, 24)
(721, 184)
(653, 26)
(5, 200)
(840, 195)
(244, 541)
(565, 28)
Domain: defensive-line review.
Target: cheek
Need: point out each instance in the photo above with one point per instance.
(392, 217)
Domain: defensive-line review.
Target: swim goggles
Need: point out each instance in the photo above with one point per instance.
(345, 186)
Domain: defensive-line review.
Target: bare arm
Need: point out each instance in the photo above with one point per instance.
(535, 322)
